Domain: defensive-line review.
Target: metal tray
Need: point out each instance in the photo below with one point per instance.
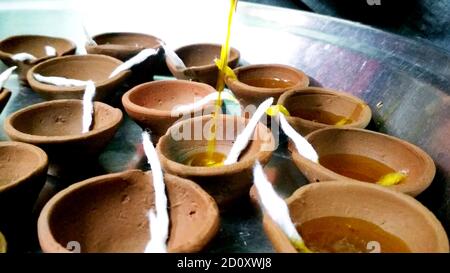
(406, 82)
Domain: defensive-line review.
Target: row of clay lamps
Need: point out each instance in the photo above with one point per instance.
(55, 126)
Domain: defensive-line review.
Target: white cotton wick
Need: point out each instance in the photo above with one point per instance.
(59, 81)
(89, 39)
(273, 204)
(22, 57)
(137, 59)
(173, 58)
(301, 144)
(243, 138)
(50, 51)
(198, 104)
(159, 223)
(88, 106)
(5, 75)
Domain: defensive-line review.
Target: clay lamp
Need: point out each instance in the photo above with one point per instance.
(97, 68)
(56, 127)
(314, 108)
(183, 151)
(199, 62)
(23, 171)
(5, 94)
(109, 214)
(360, 155)
(34, 45)
(341, 216)
(125, 45)
(152, 105)
(255, 83)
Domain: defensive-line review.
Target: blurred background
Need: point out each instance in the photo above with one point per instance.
(418, 19)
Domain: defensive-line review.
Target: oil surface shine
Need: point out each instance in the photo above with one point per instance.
(205, 159)
(268, 82)
(355, 166)
(321, 116)
(348, 235)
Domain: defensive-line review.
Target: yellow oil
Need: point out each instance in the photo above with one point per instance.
(268, 82)
(321, 116)
(356, 166)
(348, 235)
(224, 54)
(205, 159)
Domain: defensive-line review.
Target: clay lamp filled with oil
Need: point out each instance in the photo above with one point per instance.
(360, 155)
(109, 213)
(74, 72)
(154, 105)
(71, 132)
(186, 152)
(341, 216)
(25, 51)
(314, 108)
(255, 83)
(23, 172)
(125, 45)
(199, 62)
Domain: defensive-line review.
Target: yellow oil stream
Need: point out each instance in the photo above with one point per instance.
(222, 63)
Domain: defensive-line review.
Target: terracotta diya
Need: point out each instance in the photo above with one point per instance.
(314, 108)
(81, 67)
(183, 150)
(124, 45)
(23, 171)
(34, 45)
(199, 60)
(360, 155)
(340, 216)
(109, 213)
(56, 127)
(255, 83)
(151, 104)
(5, 94)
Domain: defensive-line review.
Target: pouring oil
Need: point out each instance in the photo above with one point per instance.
(224, 54)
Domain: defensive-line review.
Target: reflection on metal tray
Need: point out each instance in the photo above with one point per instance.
(406, 83)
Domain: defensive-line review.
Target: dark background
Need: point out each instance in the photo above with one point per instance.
(418, 19)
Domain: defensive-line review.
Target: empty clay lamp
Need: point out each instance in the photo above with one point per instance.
(183, 151)
(23, 171)
(34, 45)
(199, 60)
(314, 108)
(109, 214)
(123, 46)
(81, 67)
(360, 155)
(255, 83)
(340, 216)
(152, 104)
(56, 127)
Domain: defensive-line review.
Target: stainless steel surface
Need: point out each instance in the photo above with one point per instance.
(406, 83)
